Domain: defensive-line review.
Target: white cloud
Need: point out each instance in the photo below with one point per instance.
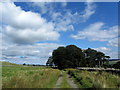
(114, 42)
(97, 32)
(26, 27)
(114, 55)
(35, 52)
(56, 15)
(31, 35)
(89, 10)
(69, 18)
(103, 49)
(19, 18)
(64, 4)
(40, 49)
(45, 7)
(64, 21)
(108, 52)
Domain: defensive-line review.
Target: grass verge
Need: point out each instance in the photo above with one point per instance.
(86, 79)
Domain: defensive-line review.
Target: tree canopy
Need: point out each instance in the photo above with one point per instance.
(72, 56)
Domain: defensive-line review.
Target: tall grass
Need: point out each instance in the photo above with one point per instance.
(86, 79)
(29, 77)
(0, 77)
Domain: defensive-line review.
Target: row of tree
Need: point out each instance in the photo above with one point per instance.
(72, 56)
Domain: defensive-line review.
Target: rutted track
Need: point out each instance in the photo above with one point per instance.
(71, 82)
(59, 81)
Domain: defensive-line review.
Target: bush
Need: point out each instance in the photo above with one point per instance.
(117, 65)
(24, 64)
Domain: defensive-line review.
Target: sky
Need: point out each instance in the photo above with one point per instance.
(30, 31)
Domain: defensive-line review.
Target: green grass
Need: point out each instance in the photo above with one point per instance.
(112, 62)
(10, 71)
(29, 77)
(43, 77)
(8, 63)
(0, 77)
(64, 83)
(85, 79)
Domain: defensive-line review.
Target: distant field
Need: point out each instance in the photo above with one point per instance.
(7, 63)
(113, 62)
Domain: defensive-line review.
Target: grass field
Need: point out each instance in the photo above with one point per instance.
(113, 62)
(85, 79)
(46, 77)
(29, 77)
(0, 77)
(8, 63)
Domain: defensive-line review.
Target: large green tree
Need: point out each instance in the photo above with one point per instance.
(72, 56)
(68, 57)
(59, 57)
(90, 57)
(75, 55)
(50, 61)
